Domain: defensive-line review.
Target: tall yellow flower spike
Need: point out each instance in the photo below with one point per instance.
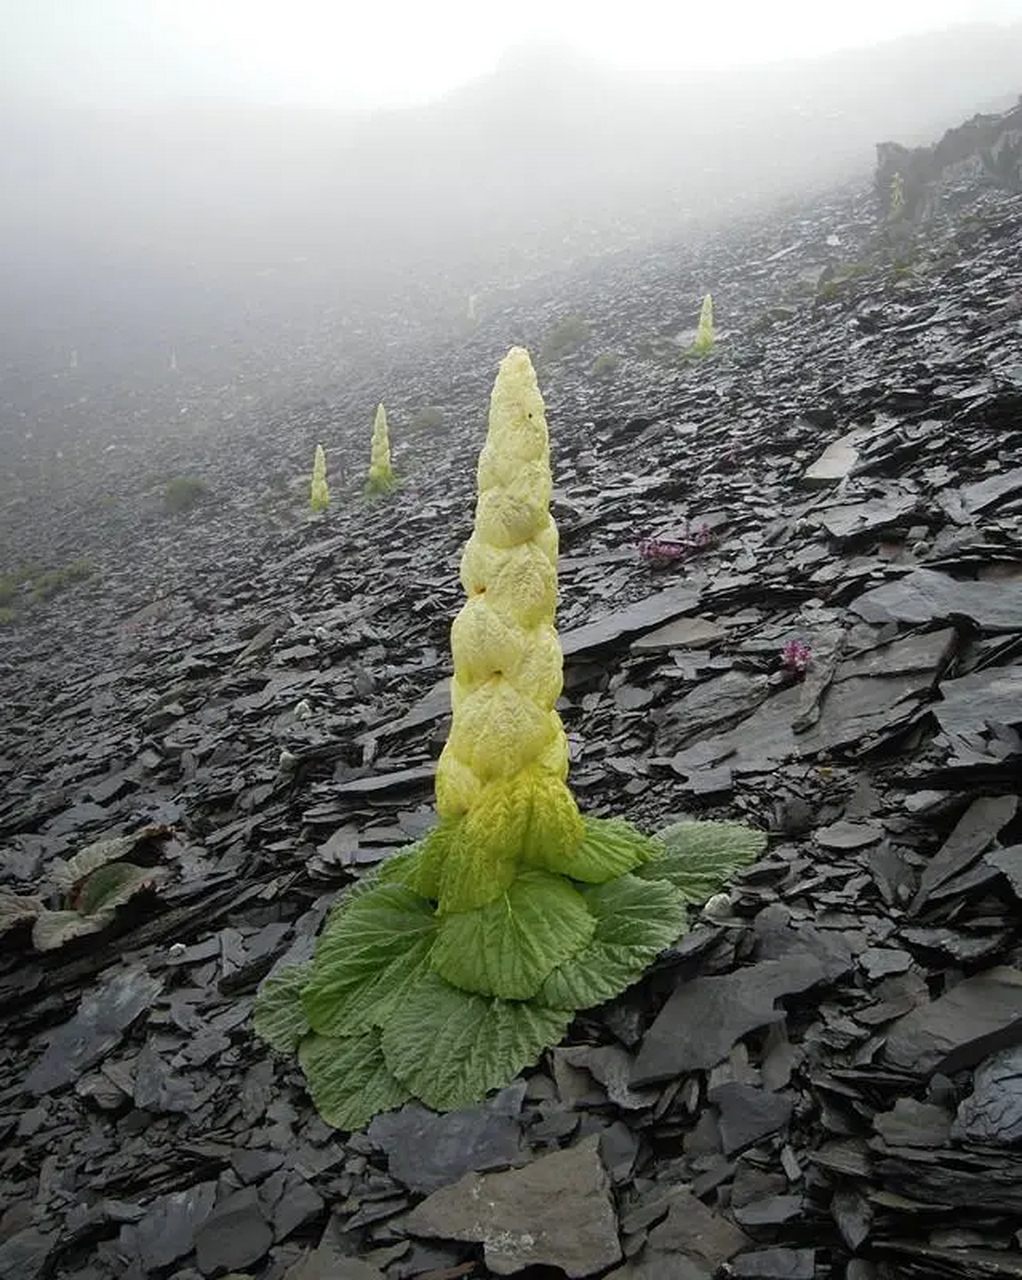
(319, 498)
(704, 334)
(507, 752)
(381, 475)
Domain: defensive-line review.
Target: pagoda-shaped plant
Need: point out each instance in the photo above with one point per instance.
(703, 344)
(468, 954)
(319, 498)
(381, 474)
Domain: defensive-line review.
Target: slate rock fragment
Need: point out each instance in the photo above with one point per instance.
(748, 1113)
(772, 1211)
(167, 1232)
(775, 1264)
(1009, 862)
(234, 1235)
(555, 1212)
(684, 633)
(102, 1018)
(426, 1151)
(622, 623)
(848, 835)
(695, 1231)
(324, 1264)
(975, 831)
(976, 1017)
(993, 1111)
(25, 1255)
(706, 1016)
(924, 595)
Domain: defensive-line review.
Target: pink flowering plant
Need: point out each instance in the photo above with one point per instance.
(661, 552)
(796, 656)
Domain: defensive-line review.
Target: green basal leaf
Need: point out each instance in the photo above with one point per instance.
(348, 1078)
(279, 1018)
(451, 1047)
(635, 920)
(372, 951)
(702, 856)
(509, 946)
(609, 848)
(112, 885)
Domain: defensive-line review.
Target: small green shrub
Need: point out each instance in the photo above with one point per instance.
(565, 337)
(52, 581)
(183, 493)
(606, 365)
(7, 616)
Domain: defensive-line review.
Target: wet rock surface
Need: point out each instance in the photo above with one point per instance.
(822, 1078)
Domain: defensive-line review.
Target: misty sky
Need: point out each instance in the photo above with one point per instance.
(368, 53)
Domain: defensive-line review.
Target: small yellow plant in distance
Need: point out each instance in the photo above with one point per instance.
(381, 474)
(319, 499)
(703, 344)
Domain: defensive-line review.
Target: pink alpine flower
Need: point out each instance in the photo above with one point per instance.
(796, 656)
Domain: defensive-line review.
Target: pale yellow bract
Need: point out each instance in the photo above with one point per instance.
(319, 498)
(507, 657)
(381, 476)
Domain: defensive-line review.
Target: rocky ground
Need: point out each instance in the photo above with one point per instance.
(824, 1077)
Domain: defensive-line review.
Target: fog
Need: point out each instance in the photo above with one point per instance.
(247, 186)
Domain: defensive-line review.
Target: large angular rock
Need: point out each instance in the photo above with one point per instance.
(725, 1008)
(102, 1018)
(427, 1151)
(556, 1212)
(975, 1018)
(641, 616)
(927, 596)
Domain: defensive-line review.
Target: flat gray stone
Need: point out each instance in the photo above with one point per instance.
(1009, 863)
(167, 1232)
(970, 703)
(993, 1111)
(641, 616)
(426, 1151)
(857, 518)
(848, 835)
(974, 1019)
(556, 1212)
(234, 1235)
(731, 696)
(102, 1018)
(696, 1232)
(683, 633)
(910, 1123)
(988, 492)
(974, 832)
(879, 962)
(748, 1113)
(728, 1007)
(834, 463)
(776, 1264)
(927, 596)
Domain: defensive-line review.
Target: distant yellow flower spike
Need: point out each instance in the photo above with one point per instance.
(319, 499)
(507, 657)
(381, 475)
(704, 334)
